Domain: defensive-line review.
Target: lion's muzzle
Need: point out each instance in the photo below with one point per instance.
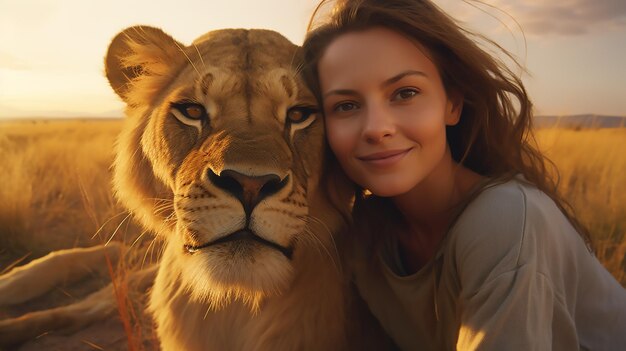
(249, 190)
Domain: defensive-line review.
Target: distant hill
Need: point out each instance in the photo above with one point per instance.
(580, 121)
(584, 121)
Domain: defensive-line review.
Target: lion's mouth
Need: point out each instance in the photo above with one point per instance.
(244, 234)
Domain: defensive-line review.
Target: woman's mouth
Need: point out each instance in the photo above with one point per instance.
(384, 158)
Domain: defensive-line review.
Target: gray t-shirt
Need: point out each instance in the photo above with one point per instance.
(511, 274)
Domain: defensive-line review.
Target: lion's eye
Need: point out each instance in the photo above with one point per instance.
(299, 114)
(194, 111)
(191, 110)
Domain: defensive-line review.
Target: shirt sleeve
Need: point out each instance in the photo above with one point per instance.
(511, 312)
(506, 302)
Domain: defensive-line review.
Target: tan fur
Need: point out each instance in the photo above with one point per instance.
(240, 295)
(41, 275)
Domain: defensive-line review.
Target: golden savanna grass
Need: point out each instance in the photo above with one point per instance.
(55, 184)
(592, 167)
(55, 191)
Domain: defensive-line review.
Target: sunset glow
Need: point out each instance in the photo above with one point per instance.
(51, 58)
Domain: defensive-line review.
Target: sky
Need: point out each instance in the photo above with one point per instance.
(52, 51)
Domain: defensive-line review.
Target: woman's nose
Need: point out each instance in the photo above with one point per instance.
(379, 124)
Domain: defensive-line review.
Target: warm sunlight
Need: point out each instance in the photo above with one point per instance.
(170, 182)
(51, 58)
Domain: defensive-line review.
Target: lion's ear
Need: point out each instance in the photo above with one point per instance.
(140, 51)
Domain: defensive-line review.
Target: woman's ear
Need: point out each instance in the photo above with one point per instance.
(454, 107)
(139, 51)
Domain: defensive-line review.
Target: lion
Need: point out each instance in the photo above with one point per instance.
(227, 131)
(222, 155)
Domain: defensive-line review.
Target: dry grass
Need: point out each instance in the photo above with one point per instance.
(56, 194)
(592, 166)
(56, 185)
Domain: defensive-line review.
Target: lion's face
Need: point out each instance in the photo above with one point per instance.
(221, 153)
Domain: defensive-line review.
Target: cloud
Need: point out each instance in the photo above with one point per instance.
(566, 17)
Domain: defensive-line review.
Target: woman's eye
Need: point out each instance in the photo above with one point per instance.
(299, 114)
(405, 94)
(345, 107)
(191, 110)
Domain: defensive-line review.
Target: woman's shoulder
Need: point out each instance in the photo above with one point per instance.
(492, 233)
(504, 206)
(497, 205)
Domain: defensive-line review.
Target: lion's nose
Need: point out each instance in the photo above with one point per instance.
(250, 190)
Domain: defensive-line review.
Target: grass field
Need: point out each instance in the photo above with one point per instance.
(56, 193)
(592, 167)
(56, 186)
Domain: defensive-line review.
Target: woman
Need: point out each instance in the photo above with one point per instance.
(461, 240)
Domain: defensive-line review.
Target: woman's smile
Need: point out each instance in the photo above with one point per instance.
(385, 159)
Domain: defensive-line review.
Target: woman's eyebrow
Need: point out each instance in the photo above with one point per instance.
(401, 75)
(387, 82)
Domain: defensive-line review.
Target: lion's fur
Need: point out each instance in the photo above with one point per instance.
(242, 295)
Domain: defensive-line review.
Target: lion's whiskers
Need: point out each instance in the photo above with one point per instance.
(138, 238)
(106, 222)
(188, 58)
(162, 208)
(118, 228)
(200, 55)
(317, 242)
(327, 230)
(151, 246)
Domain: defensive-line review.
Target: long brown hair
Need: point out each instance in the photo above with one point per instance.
(494, 135)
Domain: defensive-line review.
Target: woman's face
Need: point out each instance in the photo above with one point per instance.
(386, 109)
